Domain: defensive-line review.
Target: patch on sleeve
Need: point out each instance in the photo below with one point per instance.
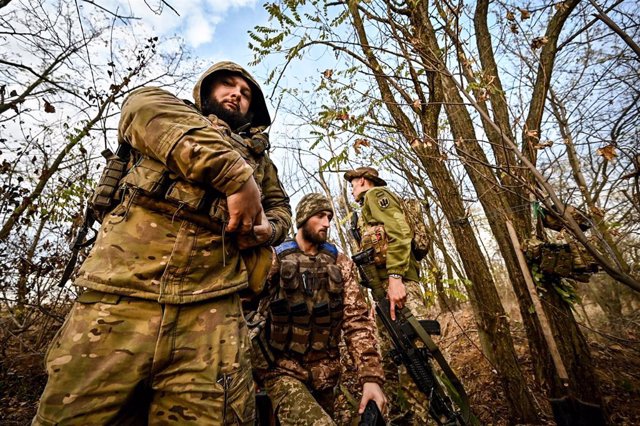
(383, 202)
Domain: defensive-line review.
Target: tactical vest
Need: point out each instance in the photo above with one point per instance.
(306, 308)
(149, 183)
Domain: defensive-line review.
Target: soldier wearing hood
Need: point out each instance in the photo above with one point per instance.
(159, 335)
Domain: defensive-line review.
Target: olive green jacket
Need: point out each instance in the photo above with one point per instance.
(380, 206)
(154, 255)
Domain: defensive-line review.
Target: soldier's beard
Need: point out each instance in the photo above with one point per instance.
(235, 119)
(313, 237)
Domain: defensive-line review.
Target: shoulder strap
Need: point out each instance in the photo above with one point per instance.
(330, 249)
(288, 247)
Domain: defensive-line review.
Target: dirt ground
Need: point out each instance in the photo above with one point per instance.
(22, 376)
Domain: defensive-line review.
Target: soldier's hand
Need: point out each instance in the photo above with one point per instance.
(372, 391)
(397, 295)
(245, 209)
(260, 235)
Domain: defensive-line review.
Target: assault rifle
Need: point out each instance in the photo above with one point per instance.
(403, 331)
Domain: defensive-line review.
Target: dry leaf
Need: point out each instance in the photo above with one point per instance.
(510, 16)
(343, 116)
(538, 42)
(359, 143)
(327, 73)
(524, 14)
(48, 107)
(598, 212)
(417, 103)
(608, 152)
(543, 145)
(514, 28)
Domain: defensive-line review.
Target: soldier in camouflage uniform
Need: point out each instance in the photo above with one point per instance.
(383, 225)
(314, 299)
(159, 336)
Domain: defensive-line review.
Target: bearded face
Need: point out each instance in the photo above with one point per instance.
(235, 119)
(229, 99)
(316, 229)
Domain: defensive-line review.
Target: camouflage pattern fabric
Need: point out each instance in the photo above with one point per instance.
(367, 173)
(309, 205)
(406, 404)
(321, 369)
(166, 318)
(153, 255)
(294, 405)
(348, 392)
(120, 360)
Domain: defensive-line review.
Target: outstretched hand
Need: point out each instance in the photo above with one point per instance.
(397, 295)
(245, 209)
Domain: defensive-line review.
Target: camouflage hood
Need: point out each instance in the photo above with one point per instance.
(258, 104)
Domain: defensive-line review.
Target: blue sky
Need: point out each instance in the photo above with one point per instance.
(215, 29)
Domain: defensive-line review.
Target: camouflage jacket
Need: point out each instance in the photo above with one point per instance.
(321, 371)
(380, 206)
(153, 255)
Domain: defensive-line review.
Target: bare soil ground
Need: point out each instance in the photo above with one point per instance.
(22, 375)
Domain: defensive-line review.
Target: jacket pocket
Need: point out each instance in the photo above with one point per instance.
(148, 175)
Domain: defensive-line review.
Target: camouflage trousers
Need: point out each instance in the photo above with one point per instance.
(295, 405)
(406, 404)
(121, 360)
(348, 391)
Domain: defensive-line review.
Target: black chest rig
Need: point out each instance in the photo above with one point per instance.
(305, 313)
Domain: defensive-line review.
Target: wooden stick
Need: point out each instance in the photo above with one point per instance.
(544, 321)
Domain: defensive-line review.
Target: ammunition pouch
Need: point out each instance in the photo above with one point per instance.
(321, 326)
(300, 329)
(289, 275)
(279, 325)
(375, 237)
(150, 184)
(312, 289)
(108, 191)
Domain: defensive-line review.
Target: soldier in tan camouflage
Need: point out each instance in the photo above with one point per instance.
(313, 301)
(159, 336)
(383, 226)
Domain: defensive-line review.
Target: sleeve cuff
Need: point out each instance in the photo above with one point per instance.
(372, 379)
(241, 173)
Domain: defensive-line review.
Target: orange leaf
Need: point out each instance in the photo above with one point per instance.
(608, 152)
(524, 14)
(359, 143)
(327, 73)
(538, 42)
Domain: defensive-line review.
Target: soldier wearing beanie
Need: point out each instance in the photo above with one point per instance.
(313, 300)
(382, 214)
